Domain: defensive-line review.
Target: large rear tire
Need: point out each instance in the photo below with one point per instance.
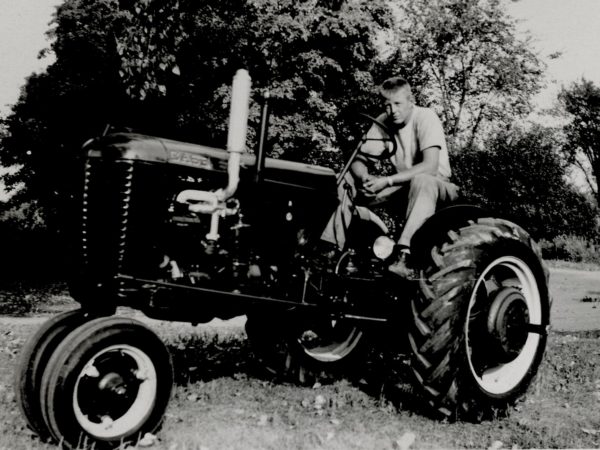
(108, 383)
(479, 320)
(33, 360)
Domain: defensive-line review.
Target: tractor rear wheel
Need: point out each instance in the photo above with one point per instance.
(479, 320)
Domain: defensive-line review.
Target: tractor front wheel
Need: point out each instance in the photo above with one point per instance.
(33, 360)
(108, 383)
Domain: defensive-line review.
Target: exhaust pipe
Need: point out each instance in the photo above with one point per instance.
(208, 202)
(238, 129)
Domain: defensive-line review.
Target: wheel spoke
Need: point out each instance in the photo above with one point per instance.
(140, 375)
(491, 284)
(512, 282)
(107, 422)
(91, 371)
(536, 329)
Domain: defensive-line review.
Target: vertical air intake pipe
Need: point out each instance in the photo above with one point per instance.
(208, 202)
(238, 127)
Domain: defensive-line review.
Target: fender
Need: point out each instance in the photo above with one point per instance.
(365, 214)
(364, 228)
(435, 230)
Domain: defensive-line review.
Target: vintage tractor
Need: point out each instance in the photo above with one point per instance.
(188, 233)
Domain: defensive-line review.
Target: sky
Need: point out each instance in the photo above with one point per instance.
(23, 24)
(571, 27)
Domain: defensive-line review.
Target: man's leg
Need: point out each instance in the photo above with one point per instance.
(335, 230)
(424, 193)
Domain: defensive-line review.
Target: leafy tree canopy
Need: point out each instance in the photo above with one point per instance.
(581, 101)
(465, 59)
(165, 68)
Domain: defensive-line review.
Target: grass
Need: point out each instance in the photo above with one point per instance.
(560, 264)
(26, 298)
(221, 401)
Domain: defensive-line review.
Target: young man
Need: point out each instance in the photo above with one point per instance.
(421, 164)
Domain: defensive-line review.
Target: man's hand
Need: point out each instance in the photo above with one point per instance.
(373, 185)
(367, 177)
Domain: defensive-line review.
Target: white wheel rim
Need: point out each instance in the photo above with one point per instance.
(505, 377)
(344, 343)
(111, 428)
(335, 350)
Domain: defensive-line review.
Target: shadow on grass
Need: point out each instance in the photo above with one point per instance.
(205, 357)
(385, 374)
(22, 298)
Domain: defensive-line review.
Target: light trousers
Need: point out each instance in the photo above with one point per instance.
(421, 195)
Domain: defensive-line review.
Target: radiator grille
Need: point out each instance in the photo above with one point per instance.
(122, 214)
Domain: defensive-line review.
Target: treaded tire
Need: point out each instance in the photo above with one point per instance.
(108, 383)
(450, 355)
(33, 360)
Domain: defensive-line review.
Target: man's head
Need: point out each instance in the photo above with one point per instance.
(398, 98)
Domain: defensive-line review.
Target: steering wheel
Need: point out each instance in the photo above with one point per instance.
(388, 151)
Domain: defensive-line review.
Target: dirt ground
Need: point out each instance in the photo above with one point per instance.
(576, 295)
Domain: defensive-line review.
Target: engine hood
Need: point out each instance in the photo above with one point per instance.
(130, 146)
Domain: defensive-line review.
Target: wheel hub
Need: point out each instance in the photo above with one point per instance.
(113, 383)
(115, 393)
(507, 322)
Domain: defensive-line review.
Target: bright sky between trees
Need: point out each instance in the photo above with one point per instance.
(568, 26)
(571, 27)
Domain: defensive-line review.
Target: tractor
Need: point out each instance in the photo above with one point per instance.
(185, 232)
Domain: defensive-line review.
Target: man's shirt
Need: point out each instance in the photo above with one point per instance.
(422, 130)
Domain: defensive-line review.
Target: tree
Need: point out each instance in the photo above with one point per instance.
(581, 101)
(60, 109)
(165, 68)
(465, 59)
(521, 176)
(315, 57)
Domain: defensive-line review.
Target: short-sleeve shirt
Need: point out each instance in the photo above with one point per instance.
(423, 130)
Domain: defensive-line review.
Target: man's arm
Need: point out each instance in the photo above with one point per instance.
(360, 169)
(429, 165)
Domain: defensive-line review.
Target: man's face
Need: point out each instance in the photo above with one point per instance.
(398, 105)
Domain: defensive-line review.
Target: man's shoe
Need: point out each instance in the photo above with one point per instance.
(402, 267)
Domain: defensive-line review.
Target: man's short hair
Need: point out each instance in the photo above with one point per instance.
(393, 84)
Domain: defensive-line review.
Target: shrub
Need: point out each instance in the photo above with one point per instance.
(571, 248)
(520, 176)
(29, 249)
